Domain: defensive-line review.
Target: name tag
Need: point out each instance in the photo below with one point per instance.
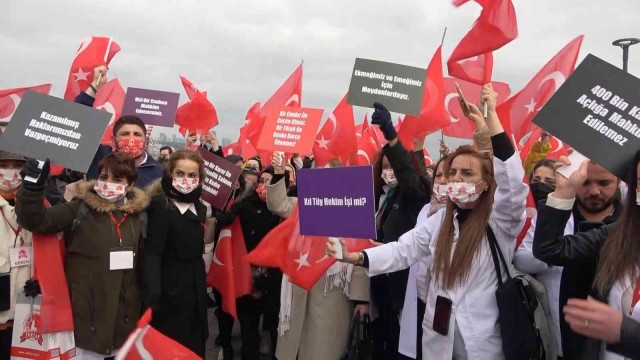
(121, 260)
(21, 256)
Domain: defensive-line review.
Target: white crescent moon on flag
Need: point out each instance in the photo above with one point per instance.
(226, 233)
(16, 101)
(446, 103)
(142, 351)
(295, 98)
(333, 120)
(366, 156)
(557, 77)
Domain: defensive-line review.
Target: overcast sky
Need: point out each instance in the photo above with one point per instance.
(240, 51)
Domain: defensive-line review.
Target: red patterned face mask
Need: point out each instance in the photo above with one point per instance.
(110, 191)
(131, 146)
(262, 191)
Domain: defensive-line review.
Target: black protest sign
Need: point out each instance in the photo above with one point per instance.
(220, 179)
(597, 111)
(398, 87)
(44, 127)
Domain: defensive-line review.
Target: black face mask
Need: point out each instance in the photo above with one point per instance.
(172, 193)
(540, 191)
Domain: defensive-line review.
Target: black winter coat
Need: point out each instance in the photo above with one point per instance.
(399, 217)
(174, 273)
(553, 247)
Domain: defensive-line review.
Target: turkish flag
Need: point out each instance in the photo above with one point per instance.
(289, 94)
(110, 99)
(337, 137)
(10, 99)
(230, 271)
(472, 60)
(433, 114)
(93, 52)
(367, 147)
(198, 115)
(427, 158)
(232, 149)
(145, 342)
(460, 126)
(517, 112)
(558, 148)
(302, 258)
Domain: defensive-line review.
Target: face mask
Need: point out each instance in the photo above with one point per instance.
(110, 191)
(389, 178)
(262, 191)
(185, 185)
(440, 193)
(297, 162)
(163, 158)
(463, 193)
(131, 146)
(10, 179)
(540, 191)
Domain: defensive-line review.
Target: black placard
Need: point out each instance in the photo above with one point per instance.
(44, 127)
(398, 87)
(597, 112)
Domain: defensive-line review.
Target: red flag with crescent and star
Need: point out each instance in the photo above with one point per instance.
(303, 258)
(110, 99)
(10, 99)
(517, 112)
(93, 52)
(337, 137)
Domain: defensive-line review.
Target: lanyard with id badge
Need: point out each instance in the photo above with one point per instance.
(120, 258)
(19, 256)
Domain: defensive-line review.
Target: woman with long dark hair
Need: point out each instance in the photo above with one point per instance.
(485, 202)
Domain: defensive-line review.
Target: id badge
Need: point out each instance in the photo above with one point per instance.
(121, 259)
(21, 256)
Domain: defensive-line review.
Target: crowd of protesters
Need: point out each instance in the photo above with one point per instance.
(429, 285)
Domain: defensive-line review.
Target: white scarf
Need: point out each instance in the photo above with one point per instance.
(337, 275)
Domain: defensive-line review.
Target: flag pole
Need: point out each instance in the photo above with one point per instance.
(443, 35)
(106, 54)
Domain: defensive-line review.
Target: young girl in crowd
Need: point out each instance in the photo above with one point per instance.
(12, 236)
(101, 249)
(463, 273)
(174, 272)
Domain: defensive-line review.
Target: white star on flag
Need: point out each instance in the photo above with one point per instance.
(531, 106)
(80, 74)
(302, 261)
(323, 143)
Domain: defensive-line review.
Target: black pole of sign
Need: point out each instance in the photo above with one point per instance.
(624, 44)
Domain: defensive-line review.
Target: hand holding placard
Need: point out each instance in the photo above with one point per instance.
(382, 117)
(34, 174)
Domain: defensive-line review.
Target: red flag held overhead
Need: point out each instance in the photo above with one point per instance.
(93, 52)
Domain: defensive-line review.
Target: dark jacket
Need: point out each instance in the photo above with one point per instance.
(399, 217)
(255, 218)
(105, 303)
(553, 247)
(148, 171)
(174, 276)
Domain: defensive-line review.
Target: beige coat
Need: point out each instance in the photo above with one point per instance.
(320, 323)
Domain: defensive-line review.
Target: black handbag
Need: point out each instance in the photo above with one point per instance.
(360, 346)
(517, 302)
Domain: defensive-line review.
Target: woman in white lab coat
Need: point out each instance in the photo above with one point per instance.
(462, 269)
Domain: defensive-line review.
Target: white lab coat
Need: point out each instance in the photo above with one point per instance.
(474, 303)
(419, 276)
(550, 276)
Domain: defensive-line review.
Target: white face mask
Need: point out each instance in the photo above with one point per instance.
(185, 185)
(463, 193)
(10, 179)
(389, 178)
(111, 192)
(440, 193)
